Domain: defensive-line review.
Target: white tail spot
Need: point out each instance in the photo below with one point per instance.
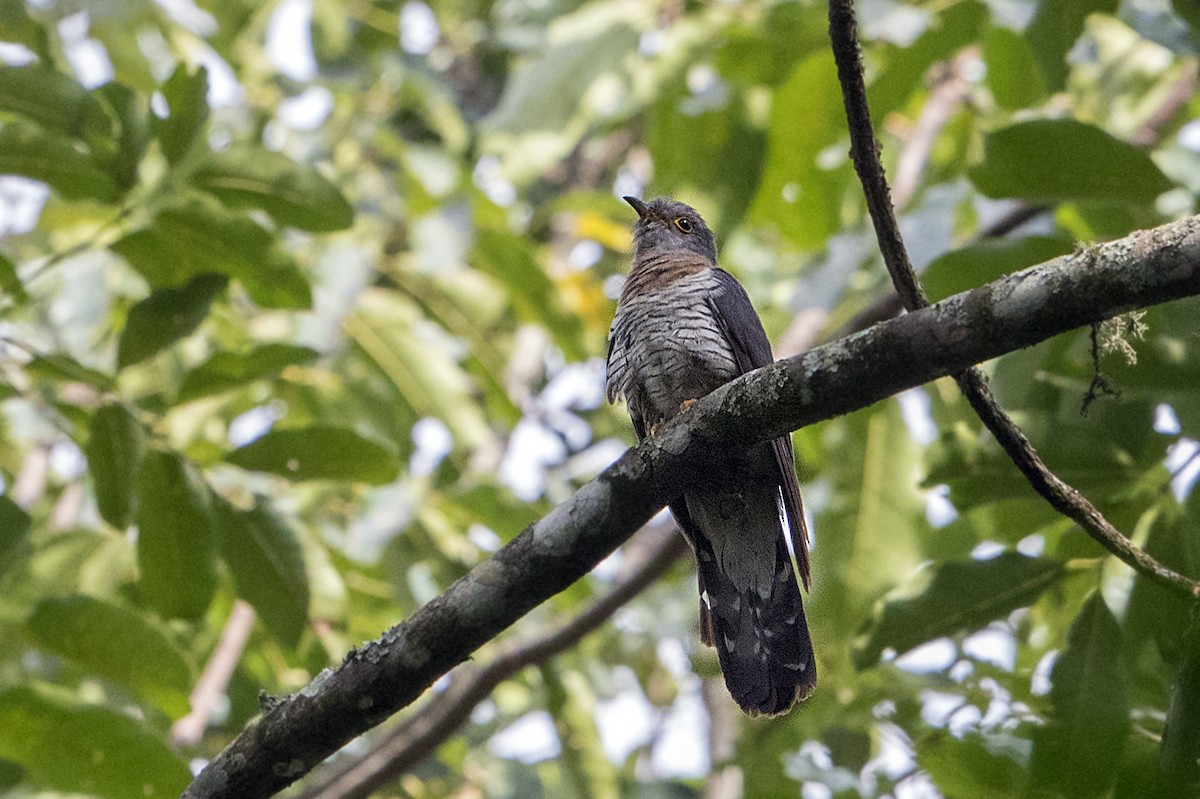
(729, 644)
(706, 599)
(796, 666)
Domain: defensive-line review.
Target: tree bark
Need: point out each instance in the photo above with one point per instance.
(376, 680)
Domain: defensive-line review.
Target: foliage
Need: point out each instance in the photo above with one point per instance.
(303, 304)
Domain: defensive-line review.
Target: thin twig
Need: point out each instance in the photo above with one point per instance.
(726, 779)
(945, 98)
(417, 736)
(1099, 387)
(212, 683)
(864, 151)
(1155, 126)
(1149, 133)
(88, 243)
(1181, 468)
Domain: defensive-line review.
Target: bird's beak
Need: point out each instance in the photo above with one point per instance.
(638, 205)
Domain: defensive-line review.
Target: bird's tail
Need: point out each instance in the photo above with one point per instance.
(761, 642)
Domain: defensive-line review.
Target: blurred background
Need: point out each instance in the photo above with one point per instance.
(303, 311)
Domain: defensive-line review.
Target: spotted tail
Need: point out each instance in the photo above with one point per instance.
(761, 642)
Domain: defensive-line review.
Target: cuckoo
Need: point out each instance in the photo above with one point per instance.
(682, 328)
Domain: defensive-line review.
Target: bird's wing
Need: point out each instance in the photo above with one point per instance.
(751, 349)
(615, 365)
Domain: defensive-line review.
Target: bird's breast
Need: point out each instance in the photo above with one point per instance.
(667, 346)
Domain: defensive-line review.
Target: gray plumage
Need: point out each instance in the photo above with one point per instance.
(683, 327)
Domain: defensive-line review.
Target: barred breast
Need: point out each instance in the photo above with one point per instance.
(666, 346)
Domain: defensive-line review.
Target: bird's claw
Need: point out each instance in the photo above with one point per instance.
(687, 403)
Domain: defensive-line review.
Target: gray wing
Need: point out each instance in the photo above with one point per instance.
(752, 350)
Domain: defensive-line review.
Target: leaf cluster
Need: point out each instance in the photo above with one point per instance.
(317, 327)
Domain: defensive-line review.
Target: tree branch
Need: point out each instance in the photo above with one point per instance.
(864, 151)
(416, 737)
(1021, 309)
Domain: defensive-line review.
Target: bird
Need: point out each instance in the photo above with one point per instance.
(682, 328)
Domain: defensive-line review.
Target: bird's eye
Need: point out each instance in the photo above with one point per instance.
(684, 224)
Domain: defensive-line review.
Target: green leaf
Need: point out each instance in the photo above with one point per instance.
(120, 35)
(76, 562)
(1102, 454)
(951, 598)
(906, 67)
(427, 377)
(186, 94)
(267, 562)
(883, 518)
(114, 453)
(166, 316)
(176, 546)
(549, 96)
(1054, 160)
(132, 112)
(988, 260)
(1157, 613)
(14, 530)
(1012, 72)
(976, 765)
(723, 160)
(115, 643)
(1078, 751)
(65, 368)
(10, 282)
(202, 237)
(1189, 12)
(1053, 30)
(534, 296)
(54, 159)
(11, 773)
(764, 50)
(16, 25)
(543, 93)
(1180, 765)
(86, 748)
(230, 370)
(294, 194)
(798, 194)
(54, 101)
(317, 453)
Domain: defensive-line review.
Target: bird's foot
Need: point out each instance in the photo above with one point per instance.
(654, 429)
(683, 406)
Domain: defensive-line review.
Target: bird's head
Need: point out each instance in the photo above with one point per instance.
(666, 226)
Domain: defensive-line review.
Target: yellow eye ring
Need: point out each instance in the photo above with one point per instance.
(683, 223)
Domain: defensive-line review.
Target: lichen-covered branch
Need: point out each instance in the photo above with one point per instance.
(387, 674)
(417, 737)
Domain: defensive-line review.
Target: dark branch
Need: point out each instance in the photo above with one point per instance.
(417, 737)
(864, 151)
(1021, 309)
